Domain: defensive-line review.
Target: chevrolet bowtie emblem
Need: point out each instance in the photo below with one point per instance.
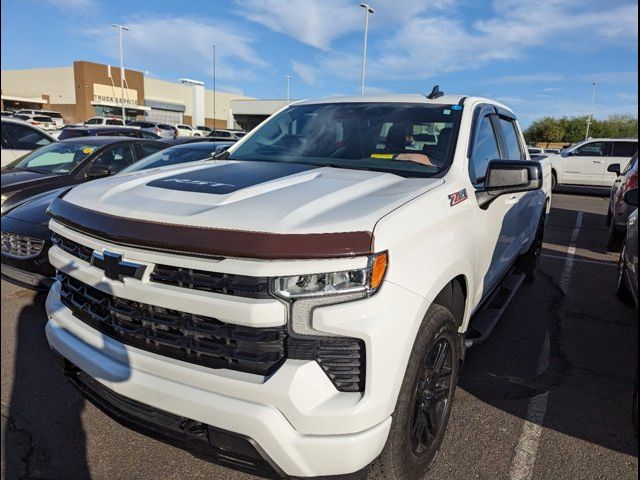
(114, 268)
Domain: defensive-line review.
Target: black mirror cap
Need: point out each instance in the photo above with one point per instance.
(98, 172)
(631, 197)
(614, 168)
(510, 176)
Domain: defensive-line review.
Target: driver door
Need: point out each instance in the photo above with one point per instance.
(495, 227)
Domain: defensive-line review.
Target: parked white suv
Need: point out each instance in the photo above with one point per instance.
(302, 306)
(587, 163)
(187, 131)
(55, 116)
(104, 121)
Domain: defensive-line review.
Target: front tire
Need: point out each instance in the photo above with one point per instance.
(424, 404)
(528, 263)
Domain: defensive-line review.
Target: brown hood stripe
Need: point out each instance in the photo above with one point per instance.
(210, 241)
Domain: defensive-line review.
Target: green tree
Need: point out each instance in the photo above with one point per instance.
(545, 130)
(573, 129)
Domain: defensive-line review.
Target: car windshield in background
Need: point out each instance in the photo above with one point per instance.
(173, 156)
(402, 138)
(56, 158)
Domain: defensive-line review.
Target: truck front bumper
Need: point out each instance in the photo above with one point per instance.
(279, 417)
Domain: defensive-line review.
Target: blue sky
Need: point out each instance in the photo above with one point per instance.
(538, 56)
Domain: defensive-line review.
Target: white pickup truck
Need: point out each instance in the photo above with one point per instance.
(301, 306)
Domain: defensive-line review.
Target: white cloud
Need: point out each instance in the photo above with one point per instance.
(319, 22)
(308, 21)
(72, 5)
(517, 27)
(305, 72)
(181, 45)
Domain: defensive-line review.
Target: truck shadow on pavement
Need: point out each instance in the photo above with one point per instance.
(590, 368)
(44, 436)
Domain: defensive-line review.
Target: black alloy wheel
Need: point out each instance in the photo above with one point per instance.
(432, 396)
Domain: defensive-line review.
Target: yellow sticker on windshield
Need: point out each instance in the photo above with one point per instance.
(385, 156)
(87, 150)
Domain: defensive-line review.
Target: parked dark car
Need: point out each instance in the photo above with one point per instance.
(181, 153)
(619, 210)
(627, 286)
(26, 237)
(106, 131)
(70, 162)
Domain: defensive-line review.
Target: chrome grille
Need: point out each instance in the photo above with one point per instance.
(18, 246)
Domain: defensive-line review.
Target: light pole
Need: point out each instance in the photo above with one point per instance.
(214, 86)
(288, 77)
(120, 29)
(593, 100)
(368, 10)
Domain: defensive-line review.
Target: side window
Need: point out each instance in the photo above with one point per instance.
(116, 158)
(146, 149)
(593, 149)
(94, 121)
(510, 134)
(112, 121)
(485, 149)
(625, 149)
(25, 138)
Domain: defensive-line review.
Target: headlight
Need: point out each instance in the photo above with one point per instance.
(306, 292)
(366, 280)
(3, 198)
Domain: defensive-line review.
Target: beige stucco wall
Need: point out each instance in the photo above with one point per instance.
(164, 91)
(56, 82)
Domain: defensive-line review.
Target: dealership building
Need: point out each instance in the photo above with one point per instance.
(89, 89)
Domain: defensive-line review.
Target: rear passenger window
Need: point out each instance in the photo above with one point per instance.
(23, 137)
(147, 149)
(485, 149)
(114, 122)
(514, 152)
(625, 149)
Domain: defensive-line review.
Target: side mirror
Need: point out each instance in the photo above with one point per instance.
(631, 197)
(614, 168)
(509, 176)
(98, 172)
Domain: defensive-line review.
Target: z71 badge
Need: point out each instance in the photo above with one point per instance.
(458, 197)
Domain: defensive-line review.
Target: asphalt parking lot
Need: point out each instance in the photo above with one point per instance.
(548, 396)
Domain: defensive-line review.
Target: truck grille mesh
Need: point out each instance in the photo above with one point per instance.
(20, 246)
(72, 248)
(237, 285)
(184, 336)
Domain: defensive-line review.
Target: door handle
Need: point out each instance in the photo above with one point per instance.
(511, 200)
(597, 161)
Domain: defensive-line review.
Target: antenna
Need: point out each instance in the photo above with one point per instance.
(435, 93)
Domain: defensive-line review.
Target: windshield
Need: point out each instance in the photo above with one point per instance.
(173, 156)
(403, 138)
(57, 157)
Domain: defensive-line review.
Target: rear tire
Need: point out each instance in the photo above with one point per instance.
(424, 405)
(614, 242)
(528, 263)
(554, 181)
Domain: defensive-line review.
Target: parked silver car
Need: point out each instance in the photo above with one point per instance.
(619, 210)
(627, 287)
(162, 129)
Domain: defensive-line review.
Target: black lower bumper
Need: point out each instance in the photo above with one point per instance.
(203, 441)
(219, 446)
(25, 278)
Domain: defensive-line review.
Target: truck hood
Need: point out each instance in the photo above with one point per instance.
(253, 196)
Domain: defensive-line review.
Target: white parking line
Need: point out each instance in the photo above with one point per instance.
(602, 263)
(524, 460)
